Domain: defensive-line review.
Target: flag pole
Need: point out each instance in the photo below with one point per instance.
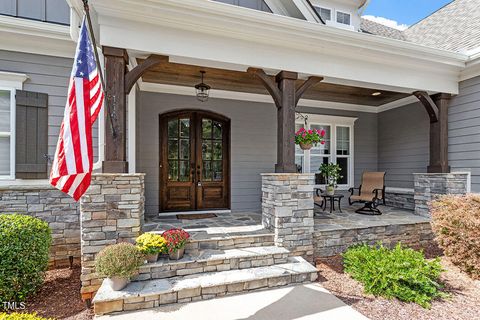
(100, 71)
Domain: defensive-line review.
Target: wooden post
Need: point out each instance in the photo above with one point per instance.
(116, 61)
(285, 94)
(439, 136)
(286, 123)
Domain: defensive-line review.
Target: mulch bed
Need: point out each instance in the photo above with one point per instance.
(463, 303)
(59, 298)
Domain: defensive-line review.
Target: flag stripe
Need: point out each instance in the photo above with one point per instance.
(73, 161)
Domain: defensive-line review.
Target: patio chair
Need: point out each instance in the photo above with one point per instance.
(318, 199)
(371, 193)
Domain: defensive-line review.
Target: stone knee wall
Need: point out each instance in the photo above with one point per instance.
(400, 198)
(287, 210)
(112, 211)
(332, 242)
(51, 205)
(429, 185)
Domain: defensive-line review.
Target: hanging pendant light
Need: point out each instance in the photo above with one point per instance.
(202, 89)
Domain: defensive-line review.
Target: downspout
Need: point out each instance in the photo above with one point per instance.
(315, 11)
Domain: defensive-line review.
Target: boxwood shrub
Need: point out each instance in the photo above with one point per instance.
(24, 245)
(400, 272)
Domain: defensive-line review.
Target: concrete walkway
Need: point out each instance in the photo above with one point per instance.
(306, 302)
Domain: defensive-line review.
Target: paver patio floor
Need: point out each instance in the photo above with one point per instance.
(306, 302)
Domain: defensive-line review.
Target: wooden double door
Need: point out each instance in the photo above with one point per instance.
(194, 161)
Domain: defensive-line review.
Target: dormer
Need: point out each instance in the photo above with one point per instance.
(343, 14)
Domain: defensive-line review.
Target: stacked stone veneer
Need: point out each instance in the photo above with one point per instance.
(335, 241)
(400, 198)
(430, 185)
(112, 211)
(57, 209)
(287, 210)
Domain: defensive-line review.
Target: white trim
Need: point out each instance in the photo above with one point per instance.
(131, 122)
(472, 68)
(24, 35)
(193, 28)
(343, 12)
(11, 133)
(397, 104)
(12, 80)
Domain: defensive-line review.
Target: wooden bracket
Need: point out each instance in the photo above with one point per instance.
(429, 105)
(269, 84)
(311, 81)
(133, 75)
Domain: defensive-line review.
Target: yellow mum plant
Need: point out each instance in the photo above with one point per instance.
(151, 243)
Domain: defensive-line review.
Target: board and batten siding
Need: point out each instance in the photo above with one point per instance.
(403, 144)
(253, 143)
(464, 130)
(50, 75)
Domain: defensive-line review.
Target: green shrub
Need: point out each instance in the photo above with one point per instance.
(21, 316)
(399, 272)
(119, 260)
(456, 223)
(24, 245)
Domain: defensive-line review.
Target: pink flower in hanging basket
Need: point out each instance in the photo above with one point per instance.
(309, 137)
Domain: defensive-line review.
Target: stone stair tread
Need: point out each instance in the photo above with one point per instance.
(219, 254)
(297, 265)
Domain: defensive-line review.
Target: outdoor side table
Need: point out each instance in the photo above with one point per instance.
(332, 199)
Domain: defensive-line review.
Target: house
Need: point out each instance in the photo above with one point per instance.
(404, 102)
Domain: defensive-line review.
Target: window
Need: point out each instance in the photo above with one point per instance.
(7, 136)
(338, 148)
(343, 18)
(325, 13)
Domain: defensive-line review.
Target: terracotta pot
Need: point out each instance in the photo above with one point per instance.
(306, 146)
(117, 283)
(176, 255)
(151, 257)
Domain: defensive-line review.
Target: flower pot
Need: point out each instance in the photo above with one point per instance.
(306, 146)
(176, 255)
(152, 257)
(330, 191)
(117, 283)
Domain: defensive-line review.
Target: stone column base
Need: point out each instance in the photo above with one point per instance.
(428, 186)
(287, 210)
(111, 211)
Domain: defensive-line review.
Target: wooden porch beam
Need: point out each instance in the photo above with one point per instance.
(429, 105)
(269, 84)
(116, 60)
(311, 81)
(133, 75)
(437, 108)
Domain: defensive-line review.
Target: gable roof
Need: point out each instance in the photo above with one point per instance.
(455, 27)
(372, 27)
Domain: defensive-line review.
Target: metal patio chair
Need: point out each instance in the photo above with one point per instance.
(371, 193)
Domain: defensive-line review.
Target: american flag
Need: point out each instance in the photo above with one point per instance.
(73, 162)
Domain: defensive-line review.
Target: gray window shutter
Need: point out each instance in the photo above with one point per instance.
(31, 134)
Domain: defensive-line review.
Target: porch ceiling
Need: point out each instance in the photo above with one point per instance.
(221, 79)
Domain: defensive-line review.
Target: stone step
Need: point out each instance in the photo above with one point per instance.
(230, 241)
(213, 260)
(152, 293)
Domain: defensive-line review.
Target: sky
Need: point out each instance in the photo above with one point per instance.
(401, 13)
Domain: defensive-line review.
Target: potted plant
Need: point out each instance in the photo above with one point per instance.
(118, 263)
(331, 173)
(176, 241)
(151, 245)
(308, 138)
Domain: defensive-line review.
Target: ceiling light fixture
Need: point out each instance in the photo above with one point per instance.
(377, 93)
(202, 89)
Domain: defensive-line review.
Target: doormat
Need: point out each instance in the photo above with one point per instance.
(196, 216)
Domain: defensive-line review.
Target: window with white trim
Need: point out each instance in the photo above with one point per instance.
(325, 13)
(338, 148)
(7, 136)
(343, 17)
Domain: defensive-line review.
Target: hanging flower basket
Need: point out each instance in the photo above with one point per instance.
(306, 146)
(306, 139)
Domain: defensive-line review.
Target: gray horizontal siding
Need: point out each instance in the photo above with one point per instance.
(56, 11)
(253, 143)
(403, 144)
(50, 75)
(464, 131)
